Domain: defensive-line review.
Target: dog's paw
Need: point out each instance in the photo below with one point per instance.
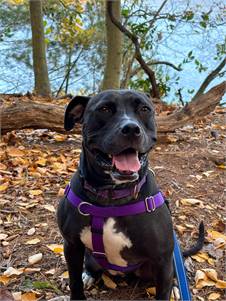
(175, 295)
(87, 279)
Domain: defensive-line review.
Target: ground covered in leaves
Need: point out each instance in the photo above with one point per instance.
(35, 167)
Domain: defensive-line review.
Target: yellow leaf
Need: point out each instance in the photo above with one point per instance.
(59, 137)
(222, 166)
(202, 280)
(29, 297)
(4, 279)
(108, 282)
(56, 248)
(214, 296)
(32, 241)
(212, 235)
(65, 275)
(221, 284)
(35, 192)
(211, 273)
(41, 162)
(151, 291)
(15, 152)
(197, 258)
(4, 187)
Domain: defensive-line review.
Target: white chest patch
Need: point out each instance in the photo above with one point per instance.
(114, 242)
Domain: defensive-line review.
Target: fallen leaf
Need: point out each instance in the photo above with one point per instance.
(212, 235)
(4, 279)
(15, 152)
(64, 275)
(35, 258)
(31, 231)
(32, 241)
(32, 270)
(4, 187)
(214, 296)
(17, 296)
(151, 291)
(35, 192)
(108, 282)
(222, 166)
(208, 173)
(59, 137)
(3, 236)
(59, 249)
(221, 284)
(192, 202)
(29, 297)
(41, 162)
(211, 273)
(12, 271)
(49, 208)
(50, 272)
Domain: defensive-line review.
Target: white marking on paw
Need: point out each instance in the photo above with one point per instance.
(88, 280)
(175, 293)
(114, 242)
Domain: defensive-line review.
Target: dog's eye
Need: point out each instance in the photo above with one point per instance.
(145, 109)
(105, 109)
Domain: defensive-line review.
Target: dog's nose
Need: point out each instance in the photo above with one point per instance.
(131, 129)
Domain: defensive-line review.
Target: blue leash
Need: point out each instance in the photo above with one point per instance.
(180, 271)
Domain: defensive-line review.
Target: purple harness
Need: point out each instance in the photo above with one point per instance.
(99, 214)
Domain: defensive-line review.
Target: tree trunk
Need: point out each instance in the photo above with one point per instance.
(42, 85)
(114, 50)
(24, 114)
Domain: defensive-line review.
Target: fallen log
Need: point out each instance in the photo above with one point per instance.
(28, 114)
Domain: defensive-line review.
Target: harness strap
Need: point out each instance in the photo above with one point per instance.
(149, 204)
(98, 213)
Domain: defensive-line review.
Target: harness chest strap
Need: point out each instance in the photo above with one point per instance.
(98, 213)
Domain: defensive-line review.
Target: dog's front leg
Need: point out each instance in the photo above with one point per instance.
(74, 255)
(164, 285)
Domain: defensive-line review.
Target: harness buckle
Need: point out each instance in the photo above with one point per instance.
(79, 209)
(153, 205)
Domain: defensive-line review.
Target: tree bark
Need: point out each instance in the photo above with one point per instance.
(24, 114)
(114, 49)
(42, 85)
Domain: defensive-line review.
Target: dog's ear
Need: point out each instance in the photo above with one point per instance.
(74, 111)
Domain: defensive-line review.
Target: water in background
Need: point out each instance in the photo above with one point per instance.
(16, 77)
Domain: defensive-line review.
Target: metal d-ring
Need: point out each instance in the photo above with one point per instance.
(152, 203)
(79, 209)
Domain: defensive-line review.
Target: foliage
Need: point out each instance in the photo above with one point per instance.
(76, 47)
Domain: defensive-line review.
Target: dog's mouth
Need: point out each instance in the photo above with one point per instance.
(123, 166)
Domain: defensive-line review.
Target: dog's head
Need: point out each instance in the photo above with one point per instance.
(118, 131)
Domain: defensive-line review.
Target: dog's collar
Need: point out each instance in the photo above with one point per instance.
(116, 193)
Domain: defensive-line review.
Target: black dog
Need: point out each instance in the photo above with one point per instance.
(118, 132)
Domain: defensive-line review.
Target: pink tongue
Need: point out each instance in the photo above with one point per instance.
(126, 162)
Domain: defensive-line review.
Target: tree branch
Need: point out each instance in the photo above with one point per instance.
(138, 69)
(151, 75)
(210, 77)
